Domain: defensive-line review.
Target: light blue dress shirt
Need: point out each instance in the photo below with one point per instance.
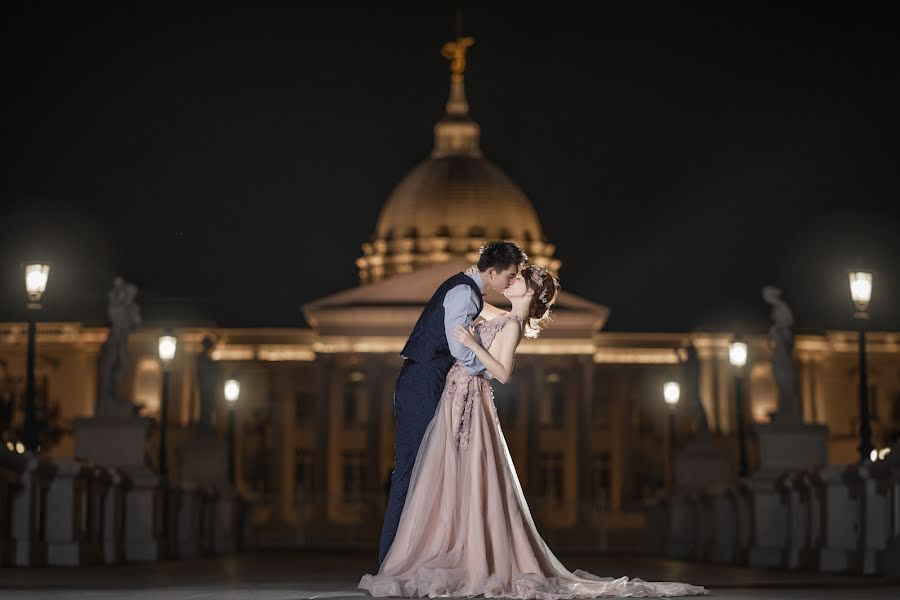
(461, 308)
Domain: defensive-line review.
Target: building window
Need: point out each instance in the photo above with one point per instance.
(147, 386)
(355, 469)
(304, 474)
(506, 398)
(304, 408)
(600, 469)
(355, 407)
(551, 479)
(551, 403)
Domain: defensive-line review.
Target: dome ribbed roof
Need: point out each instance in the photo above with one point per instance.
(458, 196)
(450, 204)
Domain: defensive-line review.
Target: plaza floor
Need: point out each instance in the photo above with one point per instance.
(333, 575)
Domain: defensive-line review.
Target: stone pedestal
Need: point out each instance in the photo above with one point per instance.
(28, 516)
(204, 461)
(189, 522)
(720, 512)
(874, 501)
(112, 538)
(12, 465)
(247, 541)
(700, 463)
(656, 515)
(889, 482)
(783, 448)
(797, 508)
(837, 490)
(807, 498)
(226, 523)
(71, 528)
(144, 530)
(111, 441)
(119, 441)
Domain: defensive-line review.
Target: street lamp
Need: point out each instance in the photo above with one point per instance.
(671, 394)
(737, 356)
(861, 293)
(166, 348)
(36, 277)
(232, 393)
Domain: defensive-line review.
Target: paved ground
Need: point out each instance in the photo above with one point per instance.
(331, 575)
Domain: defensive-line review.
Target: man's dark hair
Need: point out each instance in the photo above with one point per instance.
(501, 256)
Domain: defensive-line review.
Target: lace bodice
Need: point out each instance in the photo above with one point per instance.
(486, 331)
(463, 387)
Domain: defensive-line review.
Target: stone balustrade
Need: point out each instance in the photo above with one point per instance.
(69, 512)
(838, 519)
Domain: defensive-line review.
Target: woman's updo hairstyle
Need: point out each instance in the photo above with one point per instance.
(546, 287)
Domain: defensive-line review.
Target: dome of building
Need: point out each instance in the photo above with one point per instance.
(450, 204)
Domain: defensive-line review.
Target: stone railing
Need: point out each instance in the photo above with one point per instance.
(70, 512)
(840, 519)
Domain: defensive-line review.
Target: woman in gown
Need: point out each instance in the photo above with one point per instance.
(466, 529)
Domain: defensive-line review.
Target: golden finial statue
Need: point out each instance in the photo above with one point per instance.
(456, 52)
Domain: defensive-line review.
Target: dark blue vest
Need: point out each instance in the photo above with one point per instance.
(428, 341)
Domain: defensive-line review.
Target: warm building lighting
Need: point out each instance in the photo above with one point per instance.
(20, 447)
(861, 289)
(671, 393)
(36, 276)
(232, 390)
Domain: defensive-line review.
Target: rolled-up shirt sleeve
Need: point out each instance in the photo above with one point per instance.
(461, 308)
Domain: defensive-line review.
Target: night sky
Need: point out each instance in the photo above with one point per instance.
(230, 158)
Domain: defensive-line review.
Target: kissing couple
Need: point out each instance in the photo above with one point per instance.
(457, 523)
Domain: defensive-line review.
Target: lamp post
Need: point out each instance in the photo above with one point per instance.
(861, 293)
(166, 347)
(232, 393)
(737, 356)
(671, 394)
(36, 276)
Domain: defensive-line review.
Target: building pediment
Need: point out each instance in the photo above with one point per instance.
(391, 306)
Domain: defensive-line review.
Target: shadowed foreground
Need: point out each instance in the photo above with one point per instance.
(302, 575)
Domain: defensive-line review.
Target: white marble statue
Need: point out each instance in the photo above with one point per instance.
(124, 317)
(781, 341)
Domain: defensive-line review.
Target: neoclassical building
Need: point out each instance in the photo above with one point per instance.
(583, 414)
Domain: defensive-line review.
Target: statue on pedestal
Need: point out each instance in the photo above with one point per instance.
(124, 317)
(781, 341)
(208, 372)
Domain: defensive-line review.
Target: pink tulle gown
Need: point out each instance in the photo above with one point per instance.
(466, 529)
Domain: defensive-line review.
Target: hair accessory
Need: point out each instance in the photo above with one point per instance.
(538, 274)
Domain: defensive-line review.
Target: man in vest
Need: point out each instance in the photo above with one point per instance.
(428, 355)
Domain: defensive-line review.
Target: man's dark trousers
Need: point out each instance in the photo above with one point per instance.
(416, 397)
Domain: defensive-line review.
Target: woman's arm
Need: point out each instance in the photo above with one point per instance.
(500, 366)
